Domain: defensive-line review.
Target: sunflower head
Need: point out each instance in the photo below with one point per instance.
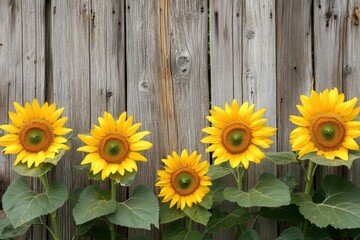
(236, 133)
(326, 126)
(114, 146)
(183, 180)
(35, 133)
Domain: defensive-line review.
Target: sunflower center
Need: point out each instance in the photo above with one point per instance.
(185, 181)
(328, 132)
(236, 137)
(36, 136)
(113, 148)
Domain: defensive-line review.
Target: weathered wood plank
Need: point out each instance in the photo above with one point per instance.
(329, 29)
(225, 64)
(149, 89)
(351, 67)
(12, 78)
(68, 80)
(259, 80)
(294, 69)
(33, 59)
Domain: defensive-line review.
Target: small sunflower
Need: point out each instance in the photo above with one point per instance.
(183, 181)
(236, 134)
(114, 145)
(36, 133)
(326, 125)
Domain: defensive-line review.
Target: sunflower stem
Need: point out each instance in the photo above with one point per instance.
(240, 174)
(308, 187)
(188, 223)
(55, 223)
(113, 197)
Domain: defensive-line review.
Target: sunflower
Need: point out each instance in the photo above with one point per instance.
(114, 146)
(183, 181)
(326, 125)
(36, 133)
(236, 134)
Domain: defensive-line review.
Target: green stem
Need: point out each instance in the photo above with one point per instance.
(113, 197)
(240, 174)
(308, 187)
(54, 220)
(188, 223)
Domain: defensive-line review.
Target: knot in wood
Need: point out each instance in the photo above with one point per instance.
(347, 70)
(250, 34)
(144, 86)
(183, 61)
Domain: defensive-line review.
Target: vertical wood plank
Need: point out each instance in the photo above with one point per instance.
(69, 86)
(149, 87)
(329, 30)
(225, 64)
(33, 58)
(12, 87)
(259, 81)
(351, 67)
(294, 69)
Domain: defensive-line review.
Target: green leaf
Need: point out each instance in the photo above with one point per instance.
(22, 169)
(354, 233)
(82, 229)
(299, 198)
(289, 213)
(290, 180)
(292, 233)
(321, 160)
(7, 230)
(281, 158)
(93, 203)
(74, 194)
(315, 233)
(268, 192)
(217, 189)
(56, 159)
(250, 235)
(168, 214)
(219, 171)
(207, 201)
(177, 232)
(340, 208)
(22, 205)
(139, 211)
(198, 214)
(222, 221)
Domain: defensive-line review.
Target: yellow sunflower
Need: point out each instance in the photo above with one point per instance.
(114, 145)
(183, 181)
(36, 133)
(326, 125)
(236, 134)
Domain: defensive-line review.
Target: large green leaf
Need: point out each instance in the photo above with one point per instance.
(219, 171)
(93, 203)
(292, 233)
(207, 201)
(57, 157)
(139, 211)
(7, 230)
(22, 169)
(198, 214)
(22, 205)
(340, 208)
(176, 232)
(268, 192)
(288, 213)
(249, 235)
(217, 189)
(168, 214)
(281, 158)
(222, 220)
(321, 160)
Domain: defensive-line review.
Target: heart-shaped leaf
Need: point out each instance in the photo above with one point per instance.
(139, 211)
(221, 220)
(268, 192)
(93, 203)
(219, 171)
(321, 160)
(198, 214)
(22, 169)
(168, 214)
(281, 158)
(7, 230)
(177, 232)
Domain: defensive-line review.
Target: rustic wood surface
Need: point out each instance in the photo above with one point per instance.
(167, 62)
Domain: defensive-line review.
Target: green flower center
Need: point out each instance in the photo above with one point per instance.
(236, 137)
(328, 132)
(113, 148)
(185, 180)
(36, 136)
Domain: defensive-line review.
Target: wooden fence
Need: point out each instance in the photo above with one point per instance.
(167, 62)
